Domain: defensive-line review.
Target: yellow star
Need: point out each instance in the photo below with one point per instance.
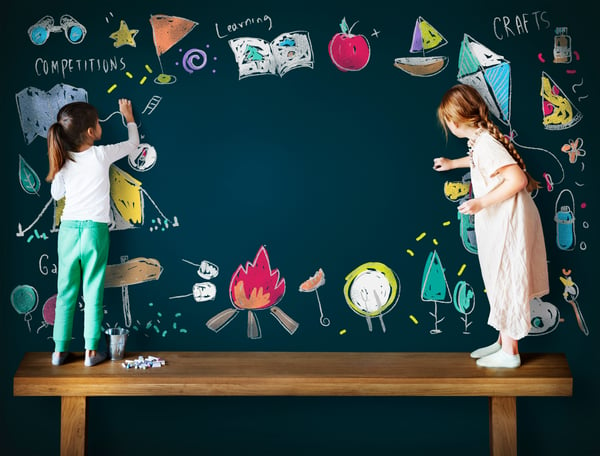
(124, 36)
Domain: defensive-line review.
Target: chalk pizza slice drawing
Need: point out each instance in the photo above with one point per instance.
(558, 111)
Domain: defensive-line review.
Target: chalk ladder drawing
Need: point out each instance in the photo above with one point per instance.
(372, 290)
(425, 39)
(434, 287)
(254, 288)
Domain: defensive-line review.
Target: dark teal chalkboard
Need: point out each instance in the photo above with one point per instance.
(268, 179)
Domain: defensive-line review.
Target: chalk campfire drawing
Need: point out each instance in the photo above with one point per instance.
(37, 108)
(167, 31)
(558, 111)
(372, 290)
(349, 52)
(425, 39)
(434, 287)
(570, 295)
(254, 288)
(289, 51)
(126, 201)
(131, 272)
(489, 74)
(312, 284)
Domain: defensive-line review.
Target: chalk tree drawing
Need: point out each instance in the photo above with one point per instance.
(38, 109)
(464, 302)
(372, 290)
(167, 31)
(131, 272)
(347, 51)
(312, 284)
(558, 111)
(288, 51)
(425, 39)
(434, 287)
(254, 288)
(487, 72)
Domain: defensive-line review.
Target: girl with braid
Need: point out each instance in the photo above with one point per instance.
(79, 171)
(510, 240)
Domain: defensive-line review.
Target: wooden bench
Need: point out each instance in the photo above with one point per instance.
(296, 374)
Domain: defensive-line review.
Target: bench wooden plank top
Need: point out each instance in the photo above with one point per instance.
(296, 374)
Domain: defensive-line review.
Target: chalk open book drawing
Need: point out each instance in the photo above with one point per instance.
(425, 39)
(286, 52)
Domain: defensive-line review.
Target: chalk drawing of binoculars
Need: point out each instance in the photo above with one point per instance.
(40, 31)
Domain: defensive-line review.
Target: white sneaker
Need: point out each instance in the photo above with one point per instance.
(500, 359)
(485, 351)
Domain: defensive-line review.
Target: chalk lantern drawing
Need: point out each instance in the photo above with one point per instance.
(425, 39)
(372, 290)
(253, 288)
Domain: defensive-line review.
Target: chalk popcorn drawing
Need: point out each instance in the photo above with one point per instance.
(254, 288)
(434, 287)
(425, 39)
(289, 51)
(372, 290)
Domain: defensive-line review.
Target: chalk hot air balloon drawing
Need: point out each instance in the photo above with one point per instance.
(167, 31)
(487, 72)
(425, 39)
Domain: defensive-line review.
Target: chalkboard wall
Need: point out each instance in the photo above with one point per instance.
(283, 199)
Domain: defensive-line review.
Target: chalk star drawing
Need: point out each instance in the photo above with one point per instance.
(124, 36)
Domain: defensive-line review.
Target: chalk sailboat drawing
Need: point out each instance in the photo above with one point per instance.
(425, 39)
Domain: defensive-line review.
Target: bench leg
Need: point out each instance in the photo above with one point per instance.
(503, 426)
(73, 414)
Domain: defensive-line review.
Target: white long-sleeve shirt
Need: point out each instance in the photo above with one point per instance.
(84, 181)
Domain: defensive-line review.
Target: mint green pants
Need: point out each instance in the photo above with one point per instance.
(82, 256)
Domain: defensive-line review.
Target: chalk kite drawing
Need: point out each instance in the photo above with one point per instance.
(124, 36)
(425, 39)
(464, 302)
(24, 299)
(312, 284)
(254, 288)
(131, 272)
(570, 295)
(558, 111)
(434, 287)
(289, 51)
(28, 178)
(347, 51)
(489, 74)
(167, 31)
(38, 109)
(372, 290)
(40, 31)
(545, 317)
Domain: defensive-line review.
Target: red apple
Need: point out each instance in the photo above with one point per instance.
(349, 52)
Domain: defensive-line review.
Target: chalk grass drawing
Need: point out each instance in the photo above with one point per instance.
(425, 39)
(38, 109)
(28, 178)
(464, 302)
(24, 299)
(347, 51)
(558, 111)
(288, 51)
(131, 272)
(167, 31)
(434, 287)
(312, 284)
(570, 295)
(39, 32)
(545, 317)
(487, 72)
(124, 36)
(372, 290)
(254, 288)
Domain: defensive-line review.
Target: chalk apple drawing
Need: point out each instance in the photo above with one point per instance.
(349, 52)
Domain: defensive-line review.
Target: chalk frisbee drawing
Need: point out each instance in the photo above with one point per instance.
(372, 290)
(425, 39)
